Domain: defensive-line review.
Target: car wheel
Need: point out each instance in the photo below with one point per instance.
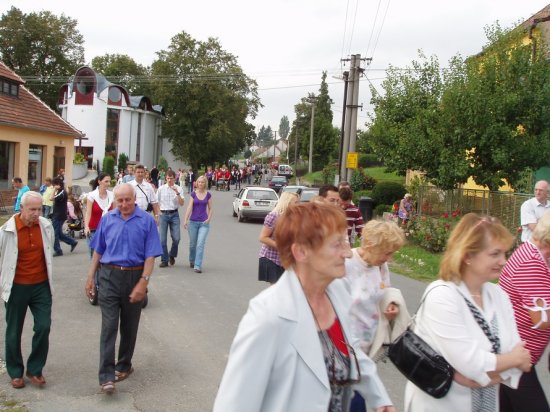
(234, 213)
(240, 217)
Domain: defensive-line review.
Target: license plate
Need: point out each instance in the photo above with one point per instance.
(260, 203)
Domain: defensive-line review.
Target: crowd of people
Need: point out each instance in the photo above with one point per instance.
(311, 340)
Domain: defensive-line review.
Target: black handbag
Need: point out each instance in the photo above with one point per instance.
(420, 364)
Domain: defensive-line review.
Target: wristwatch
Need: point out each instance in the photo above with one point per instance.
(146, 277)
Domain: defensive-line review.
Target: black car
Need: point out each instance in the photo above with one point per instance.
(278, 182)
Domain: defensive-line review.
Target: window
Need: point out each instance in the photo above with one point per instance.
(111, 139)
(10, 88)
(34, 178)
(115, 95)
(7, 159)
(138, 144)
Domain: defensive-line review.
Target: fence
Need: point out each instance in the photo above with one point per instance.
(505, 206)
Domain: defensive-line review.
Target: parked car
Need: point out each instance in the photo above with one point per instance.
(285, 170)
(308, 193)
(293, 189)
(278, 182)
(254, 202)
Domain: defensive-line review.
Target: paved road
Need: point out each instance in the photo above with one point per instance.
(185, 332)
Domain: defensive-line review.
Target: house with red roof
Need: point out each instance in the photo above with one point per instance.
(35, 142)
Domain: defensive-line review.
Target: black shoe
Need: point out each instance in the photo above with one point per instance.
(75, 244)
(191, 264)
(172, 260)
(57, 254)
(163, 264)
(198, 271)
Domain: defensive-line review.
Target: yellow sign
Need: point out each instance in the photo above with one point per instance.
(352, 160)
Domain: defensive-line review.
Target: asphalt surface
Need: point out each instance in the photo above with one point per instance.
(185, 331)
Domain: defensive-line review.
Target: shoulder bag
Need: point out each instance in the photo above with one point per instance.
(149, 204)
(420, 364)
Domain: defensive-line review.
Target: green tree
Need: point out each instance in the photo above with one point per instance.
(122, 161)
(284, 127)
(123, 70)
(42, 48)
(265, 137)
(207, 99)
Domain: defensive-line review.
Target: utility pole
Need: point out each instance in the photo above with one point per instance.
(296, 151)
(341, 159)
(310, 165)
(274, 143)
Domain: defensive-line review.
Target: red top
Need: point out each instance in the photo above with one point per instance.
(336, 335)
(97, 212)
(526, 277)
(31, 262)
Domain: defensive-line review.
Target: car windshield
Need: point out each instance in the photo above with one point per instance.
(293, 189)
(278, 179)
(307, 194)
(261, 195)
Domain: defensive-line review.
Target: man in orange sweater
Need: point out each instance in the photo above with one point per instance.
(26, 251)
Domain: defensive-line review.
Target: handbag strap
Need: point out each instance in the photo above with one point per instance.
(143, 192)
(413, 317)
(495, 340)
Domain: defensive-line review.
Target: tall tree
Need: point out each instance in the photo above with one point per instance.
(123, 70)
(42, 48)
(207, 98)
(265, 137)
(284, 127)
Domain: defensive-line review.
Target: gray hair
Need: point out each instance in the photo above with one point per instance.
(542, 230)
(118, 188)
(30, 195)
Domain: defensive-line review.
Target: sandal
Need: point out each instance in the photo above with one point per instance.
(120, 376)
(108, 387)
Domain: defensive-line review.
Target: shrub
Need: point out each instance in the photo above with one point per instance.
(368, 160)
(432, 233)
(163, 164)
(329, 172)
(388, 192)
(109, 166)
(79, 158)
(122, 161)
(361, 181)
(359, 194)
(380, 209)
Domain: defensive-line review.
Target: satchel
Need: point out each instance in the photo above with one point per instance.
(420, 364)
(149, 207)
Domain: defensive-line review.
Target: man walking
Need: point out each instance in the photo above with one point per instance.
(170, 197)
(26, 241)
(146, 198)
(130, 176)
(125, 245)
(59, 215)
(17, 183)
(533, 209)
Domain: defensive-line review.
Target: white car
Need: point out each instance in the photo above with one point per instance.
(254, 202)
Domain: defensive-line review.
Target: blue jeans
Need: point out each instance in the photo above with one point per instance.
(172, 221)
(197, 238)
(60, 236)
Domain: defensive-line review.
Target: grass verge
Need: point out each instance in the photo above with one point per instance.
(379, 173)
(11, 405)
(414, 262)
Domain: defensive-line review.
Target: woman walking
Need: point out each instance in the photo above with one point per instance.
(197, 222)
(470, 321)
(270, 268)
(98, 202)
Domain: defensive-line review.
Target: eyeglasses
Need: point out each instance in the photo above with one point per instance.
(333, 379)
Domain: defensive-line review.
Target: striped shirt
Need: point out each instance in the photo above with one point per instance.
(354, 219)
(266, 251)
(526, 278)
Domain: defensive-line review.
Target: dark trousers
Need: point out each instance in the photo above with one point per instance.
(528, 397)
(115, 288)
(59, 235)
(38, 299)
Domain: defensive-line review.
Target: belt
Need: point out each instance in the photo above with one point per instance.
(123, 268)
(167, 212)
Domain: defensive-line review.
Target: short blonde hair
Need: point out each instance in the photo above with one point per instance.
(382, 235)
(285, 200)
(542, 230)
(471, 235)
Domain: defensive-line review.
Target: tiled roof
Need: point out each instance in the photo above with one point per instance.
(28, 111)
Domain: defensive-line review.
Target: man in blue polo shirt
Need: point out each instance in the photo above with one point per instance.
(125, 245)
(17, 183)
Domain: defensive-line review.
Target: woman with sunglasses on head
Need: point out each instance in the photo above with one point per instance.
(294, 351)
(470, 321)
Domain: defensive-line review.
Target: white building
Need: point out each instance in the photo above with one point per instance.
(113, 122)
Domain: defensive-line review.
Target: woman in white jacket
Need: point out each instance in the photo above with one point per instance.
(453, 313)
(293, 351)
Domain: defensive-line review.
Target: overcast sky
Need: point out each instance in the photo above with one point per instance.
(286, 44)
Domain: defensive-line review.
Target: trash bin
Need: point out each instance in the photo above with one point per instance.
(366, 207)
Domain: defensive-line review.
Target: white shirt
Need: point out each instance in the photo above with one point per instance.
(168, 200)
(144, 194)
(531, 211)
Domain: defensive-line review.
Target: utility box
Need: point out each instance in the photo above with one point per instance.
(366, 207)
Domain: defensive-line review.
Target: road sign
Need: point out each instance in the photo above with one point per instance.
(352, 160)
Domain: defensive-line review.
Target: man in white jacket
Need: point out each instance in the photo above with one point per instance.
(26, 251)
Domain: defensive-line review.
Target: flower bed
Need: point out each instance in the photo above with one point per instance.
(432, 233)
